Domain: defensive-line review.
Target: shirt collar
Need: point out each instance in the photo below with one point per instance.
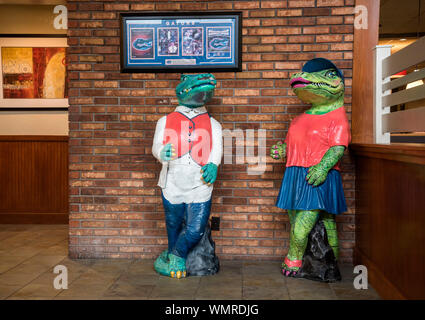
(187, 110)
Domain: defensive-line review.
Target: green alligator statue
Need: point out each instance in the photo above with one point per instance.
(188, 143)
(194, 91)
(312, 188)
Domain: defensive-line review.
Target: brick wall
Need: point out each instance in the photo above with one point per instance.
(115, 205)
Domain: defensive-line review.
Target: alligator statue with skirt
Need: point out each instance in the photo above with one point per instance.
(311, 189)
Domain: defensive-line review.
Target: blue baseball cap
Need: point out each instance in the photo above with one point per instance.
(319, 64)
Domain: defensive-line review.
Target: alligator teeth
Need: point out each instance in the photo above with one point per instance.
(320, 84)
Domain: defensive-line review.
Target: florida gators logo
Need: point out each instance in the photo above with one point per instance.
(141, 44)
(219, 43)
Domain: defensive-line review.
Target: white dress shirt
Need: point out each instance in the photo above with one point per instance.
(180, 179)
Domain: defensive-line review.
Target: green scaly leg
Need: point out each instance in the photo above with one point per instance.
(292, 214)
(302, 222)
(330, 226)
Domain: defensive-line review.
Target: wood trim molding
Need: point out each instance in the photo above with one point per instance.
(33, 35)
(33, 138)
(33, 218)
(410, 153)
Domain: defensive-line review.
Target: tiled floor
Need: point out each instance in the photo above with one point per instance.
(28, 254)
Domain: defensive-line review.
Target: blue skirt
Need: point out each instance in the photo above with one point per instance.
(296, 194)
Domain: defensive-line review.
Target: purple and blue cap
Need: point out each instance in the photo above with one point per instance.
(319, 64)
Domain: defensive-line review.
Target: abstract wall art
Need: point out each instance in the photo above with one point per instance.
(33, 72)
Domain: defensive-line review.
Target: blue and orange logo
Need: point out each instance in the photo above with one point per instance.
(141, 44)
(219, 43)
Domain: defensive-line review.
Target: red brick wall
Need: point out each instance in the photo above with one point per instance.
(115, 205)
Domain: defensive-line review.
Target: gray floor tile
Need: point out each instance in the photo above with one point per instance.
(125, 289)
(265, 293)
(28, 254)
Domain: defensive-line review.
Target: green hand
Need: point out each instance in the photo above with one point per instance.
(167, 153)
(278, 151)
(209, 173)
(317, 174)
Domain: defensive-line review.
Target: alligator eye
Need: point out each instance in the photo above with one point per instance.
(331, 74)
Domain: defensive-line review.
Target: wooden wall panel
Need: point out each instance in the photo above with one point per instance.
(362, 102)
(34, 179)
(390, 218)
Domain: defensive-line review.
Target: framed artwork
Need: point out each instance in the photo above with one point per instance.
(33, 72)
(181, 42)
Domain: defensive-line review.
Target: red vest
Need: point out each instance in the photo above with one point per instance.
(193, 136)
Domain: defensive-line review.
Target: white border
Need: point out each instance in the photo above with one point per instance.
(31, 103)
(129, 44)
(178, 41)
(203, 38)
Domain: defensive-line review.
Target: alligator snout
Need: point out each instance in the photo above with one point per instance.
(207, 77)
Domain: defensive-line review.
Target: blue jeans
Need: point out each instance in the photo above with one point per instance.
(195, 218)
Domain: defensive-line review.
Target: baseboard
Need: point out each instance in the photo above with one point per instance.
(33, 218)
(376, 278)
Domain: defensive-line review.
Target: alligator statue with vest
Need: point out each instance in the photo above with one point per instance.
(188, 143)
(311, 189)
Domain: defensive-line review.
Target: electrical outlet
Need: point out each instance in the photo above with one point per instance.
(215, 223)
